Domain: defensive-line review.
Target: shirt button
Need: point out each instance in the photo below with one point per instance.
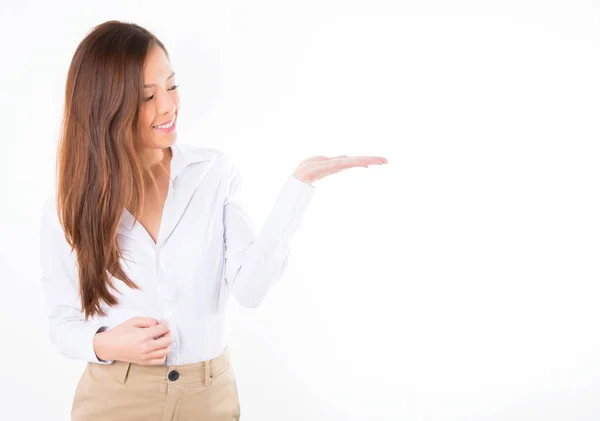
(174, 345)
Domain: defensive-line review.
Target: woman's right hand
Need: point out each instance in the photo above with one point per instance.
(139, 340)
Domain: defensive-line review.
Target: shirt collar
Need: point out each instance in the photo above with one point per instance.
(182, 156)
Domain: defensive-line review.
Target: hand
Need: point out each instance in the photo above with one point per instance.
(139, 340)
(317, 167)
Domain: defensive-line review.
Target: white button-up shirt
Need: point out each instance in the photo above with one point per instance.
(206, 251)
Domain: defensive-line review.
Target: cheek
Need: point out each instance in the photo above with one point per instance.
(175, 99)
(146, 118)
(144, 124)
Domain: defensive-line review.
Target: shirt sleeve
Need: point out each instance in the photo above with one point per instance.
(69, 332)
(254, 262)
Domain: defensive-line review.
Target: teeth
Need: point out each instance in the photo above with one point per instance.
(165, 126)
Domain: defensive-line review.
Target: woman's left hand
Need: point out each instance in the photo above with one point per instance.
(317, 167)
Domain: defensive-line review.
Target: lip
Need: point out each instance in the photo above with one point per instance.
(170, 129)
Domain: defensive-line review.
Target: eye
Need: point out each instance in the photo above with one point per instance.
(172, 88)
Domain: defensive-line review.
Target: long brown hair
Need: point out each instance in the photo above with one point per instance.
(99, 170)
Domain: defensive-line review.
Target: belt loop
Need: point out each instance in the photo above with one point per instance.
(207, 373)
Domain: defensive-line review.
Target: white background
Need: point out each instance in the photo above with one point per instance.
(458, 282)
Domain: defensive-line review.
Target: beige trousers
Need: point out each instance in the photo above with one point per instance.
(205, 391)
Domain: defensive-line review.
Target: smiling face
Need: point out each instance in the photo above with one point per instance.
(160, 103)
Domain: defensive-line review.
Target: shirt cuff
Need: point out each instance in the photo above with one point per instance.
(95, 357)
(297, 189)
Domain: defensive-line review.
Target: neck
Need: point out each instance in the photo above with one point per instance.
(157, 159)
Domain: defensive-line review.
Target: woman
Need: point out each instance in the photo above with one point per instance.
(145, 239)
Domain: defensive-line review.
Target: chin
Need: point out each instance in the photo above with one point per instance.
(162, 142)
(169, 142)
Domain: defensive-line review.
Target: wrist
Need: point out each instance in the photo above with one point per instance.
(302, 177)
(99, 344)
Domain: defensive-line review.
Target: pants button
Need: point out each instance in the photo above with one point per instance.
(173, 375)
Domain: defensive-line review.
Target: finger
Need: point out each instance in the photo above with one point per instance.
(371, 158)
(158, 353)
(368, 159)
(336, 165)
(164, 341)
(358, 161)
(319, 158)
(143, 322)
(157, 331)
(161, 342)
(155, 361)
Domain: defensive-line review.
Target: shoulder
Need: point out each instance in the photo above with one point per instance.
(194, 153)
(216, 157)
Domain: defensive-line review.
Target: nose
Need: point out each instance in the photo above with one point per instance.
(166, 105)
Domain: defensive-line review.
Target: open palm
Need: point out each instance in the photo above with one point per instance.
(317, 167)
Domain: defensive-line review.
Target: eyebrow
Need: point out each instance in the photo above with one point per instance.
(153, 84)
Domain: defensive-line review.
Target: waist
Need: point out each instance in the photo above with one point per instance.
(150, 376)
(196, 338)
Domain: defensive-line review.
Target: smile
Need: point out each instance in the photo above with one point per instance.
(165, 126)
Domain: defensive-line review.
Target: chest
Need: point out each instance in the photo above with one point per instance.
(153, 207)
(179, 237)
